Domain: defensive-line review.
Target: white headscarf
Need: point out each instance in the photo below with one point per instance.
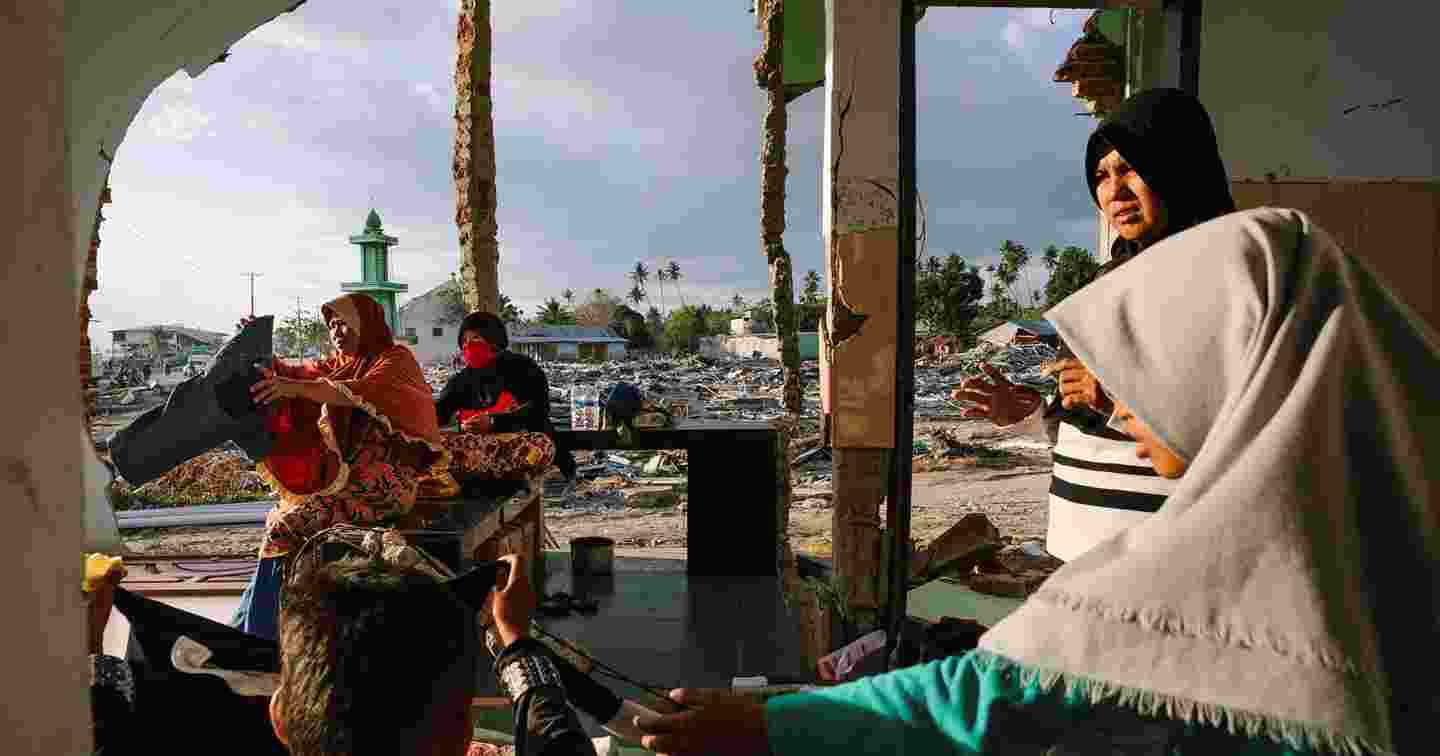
(1288, 587)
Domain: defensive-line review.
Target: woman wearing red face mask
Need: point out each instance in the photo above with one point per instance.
(502, 403)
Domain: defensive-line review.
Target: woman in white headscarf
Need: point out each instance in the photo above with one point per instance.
(1285, 599)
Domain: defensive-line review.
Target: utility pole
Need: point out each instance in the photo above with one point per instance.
(301, 332)
(252, 277)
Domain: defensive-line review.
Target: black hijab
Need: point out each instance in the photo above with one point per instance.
(1167, 137)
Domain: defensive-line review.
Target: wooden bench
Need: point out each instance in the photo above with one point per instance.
(480, 529)
(732, 519)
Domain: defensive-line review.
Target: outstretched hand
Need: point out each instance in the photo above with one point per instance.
(1003, 402)
(718, 723)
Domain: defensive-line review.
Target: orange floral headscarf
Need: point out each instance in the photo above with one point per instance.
(382, 379)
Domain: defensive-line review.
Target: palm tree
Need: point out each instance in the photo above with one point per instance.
(637, 294)
(738, 303)
(674, 269)
(507, 310)
(662, 274)
(639, 276)
(812, 288)
(553, 313)
(569, 297)
(474, 163)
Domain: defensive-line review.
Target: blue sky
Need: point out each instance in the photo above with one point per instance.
(625, 131)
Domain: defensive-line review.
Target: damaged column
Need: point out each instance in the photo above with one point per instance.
(861, 239)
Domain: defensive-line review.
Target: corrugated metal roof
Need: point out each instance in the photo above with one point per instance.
(563, 334)
(1037, 327)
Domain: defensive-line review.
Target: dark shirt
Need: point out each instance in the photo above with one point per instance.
(472, 389)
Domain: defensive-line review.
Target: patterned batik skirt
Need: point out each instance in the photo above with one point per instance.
(499, 456)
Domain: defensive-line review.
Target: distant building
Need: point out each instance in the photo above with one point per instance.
(767, 346)
(567, 343)
(1021, 332)
(428, 325)
(165, 341)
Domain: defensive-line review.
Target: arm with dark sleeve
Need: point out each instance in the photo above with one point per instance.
(530, 388)
(112, 705)
(452, 399)
(545, 724)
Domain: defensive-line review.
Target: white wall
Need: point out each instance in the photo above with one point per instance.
(422, 313)
(1278, 77)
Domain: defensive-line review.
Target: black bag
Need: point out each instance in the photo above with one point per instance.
(202, 413)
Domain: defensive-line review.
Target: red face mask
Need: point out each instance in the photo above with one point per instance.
(479, 354)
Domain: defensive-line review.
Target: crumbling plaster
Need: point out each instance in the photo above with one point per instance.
(116, 53)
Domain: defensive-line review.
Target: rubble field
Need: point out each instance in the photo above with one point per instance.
(638, 498)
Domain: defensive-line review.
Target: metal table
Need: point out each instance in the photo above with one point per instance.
(732, 517)
(668, 629)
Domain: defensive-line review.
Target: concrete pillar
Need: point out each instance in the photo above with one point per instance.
(860, 228)
(42, 647)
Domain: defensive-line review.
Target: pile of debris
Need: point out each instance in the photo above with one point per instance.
(972, 552)
(216, 477)
(969, 556)
(616, 480)
(748, 389)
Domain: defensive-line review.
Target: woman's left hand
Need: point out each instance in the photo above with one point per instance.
(1078, 386)
(273, 387)
(480, 424)
(720, 723)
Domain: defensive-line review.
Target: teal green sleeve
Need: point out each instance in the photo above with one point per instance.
(944, 707)
(962, 705)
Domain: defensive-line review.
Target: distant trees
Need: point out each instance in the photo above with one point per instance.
(598, 310)
(811, 306)
(554, 313)
(1070, 269)
(508, 312)
(947, 296)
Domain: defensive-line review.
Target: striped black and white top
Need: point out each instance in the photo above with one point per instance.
(1098, 487)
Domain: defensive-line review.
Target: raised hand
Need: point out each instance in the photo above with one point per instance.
(1003, 402)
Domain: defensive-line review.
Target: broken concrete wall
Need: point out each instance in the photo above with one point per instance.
(1347, 137)
(42, 647)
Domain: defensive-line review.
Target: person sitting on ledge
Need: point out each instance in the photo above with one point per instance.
(502, 401)
(353, 434)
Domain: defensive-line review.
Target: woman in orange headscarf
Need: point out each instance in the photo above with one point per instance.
(353, 434)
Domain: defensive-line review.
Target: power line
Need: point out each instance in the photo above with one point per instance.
(252, 277)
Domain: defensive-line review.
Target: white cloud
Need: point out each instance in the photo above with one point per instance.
(441, 101)
(180, 122)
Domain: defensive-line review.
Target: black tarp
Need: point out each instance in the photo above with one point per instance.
(201, 413)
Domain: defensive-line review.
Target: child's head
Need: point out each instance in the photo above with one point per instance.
(375, 660)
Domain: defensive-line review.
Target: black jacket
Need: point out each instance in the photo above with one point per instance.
(479, 389)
